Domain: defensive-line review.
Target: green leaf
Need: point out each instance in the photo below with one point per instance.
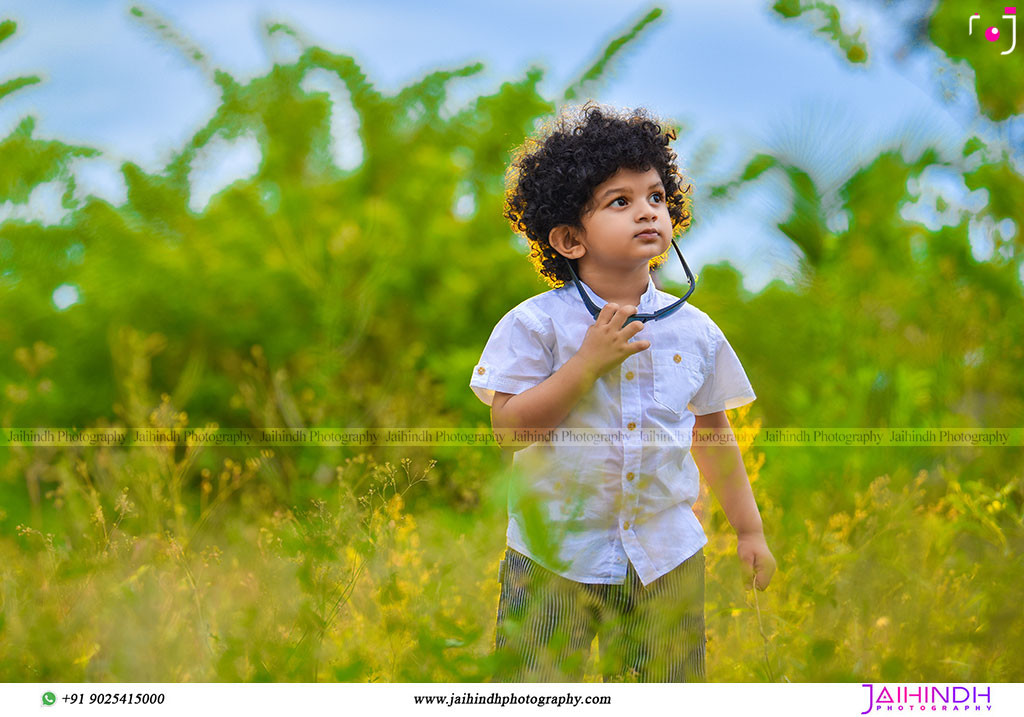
(853, 48)
(757, 166)
(7, 28)
(973, 145)
(16, 84)
(787, 8)
(598, 69)
(26, 162)
(805, 225)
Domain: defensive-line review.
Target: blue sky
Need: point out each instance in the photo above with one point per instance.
(742, 79)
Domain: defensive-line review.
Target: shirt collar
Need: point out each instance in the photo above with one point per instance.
(648, 303)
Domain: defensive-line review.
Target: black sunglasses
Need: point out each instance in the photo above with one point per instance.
(659, 314)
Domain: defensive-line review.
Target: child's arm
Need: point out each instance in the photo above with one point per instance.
(546, 405)
(721, 464)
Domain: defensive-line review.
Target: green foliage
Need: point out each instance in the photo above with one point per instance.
(26, 162)
(16, 84)
(588, 81)
(805, 225)
(854, 49)
(7, 29)
(893, 325)
(998, 81)
(1005, 189)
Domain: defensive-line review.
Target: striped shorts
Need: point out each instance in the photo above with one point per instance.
(546, 624)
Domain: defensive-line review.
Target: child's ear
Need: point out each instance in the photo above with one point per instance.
(563, 240)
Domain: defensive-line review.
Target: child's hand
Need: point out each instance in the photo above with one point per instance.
(607, 343)
(758, 560)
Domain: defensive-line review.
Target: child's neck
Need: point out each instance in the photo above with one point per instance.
(617, 288)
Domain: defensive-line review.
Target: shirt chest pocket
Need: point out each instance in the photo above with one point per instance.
(677, 377)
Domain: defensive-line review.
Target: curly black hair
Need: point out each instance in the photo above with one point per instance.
(553, 174)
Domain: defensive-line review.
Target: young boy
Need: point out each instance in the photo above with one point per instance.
(602, 538)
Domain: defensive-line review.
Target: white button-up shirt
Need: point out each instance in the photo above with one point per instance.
(582, 511)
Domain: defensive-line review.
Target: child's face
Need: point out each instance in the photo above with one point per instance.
(624, 205)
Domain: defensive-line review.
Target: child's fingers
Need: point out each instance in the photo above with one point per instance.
(757, 579)
(624, 313)
(762, 573)
(753, 572)
(749, 573)
(607, 312)
(632, 329)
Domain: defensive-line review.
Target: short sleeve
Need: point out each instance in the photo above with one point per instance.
(726, 385)
(516, 357)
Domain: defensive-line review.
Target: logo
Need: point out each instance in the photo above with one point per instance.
(992, 34)
(950, 698)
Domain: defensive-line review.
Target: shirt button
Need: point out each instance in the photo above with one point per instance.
(481, 370)
(625, 526)
(629, 375)
(630, 476)
(631, 426)
(677, 358)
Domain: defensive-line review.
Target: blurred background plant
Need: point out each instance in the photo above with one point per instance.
(306, 295)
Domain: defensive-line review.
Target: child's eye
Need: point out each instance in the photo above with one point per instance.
(660, 196)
